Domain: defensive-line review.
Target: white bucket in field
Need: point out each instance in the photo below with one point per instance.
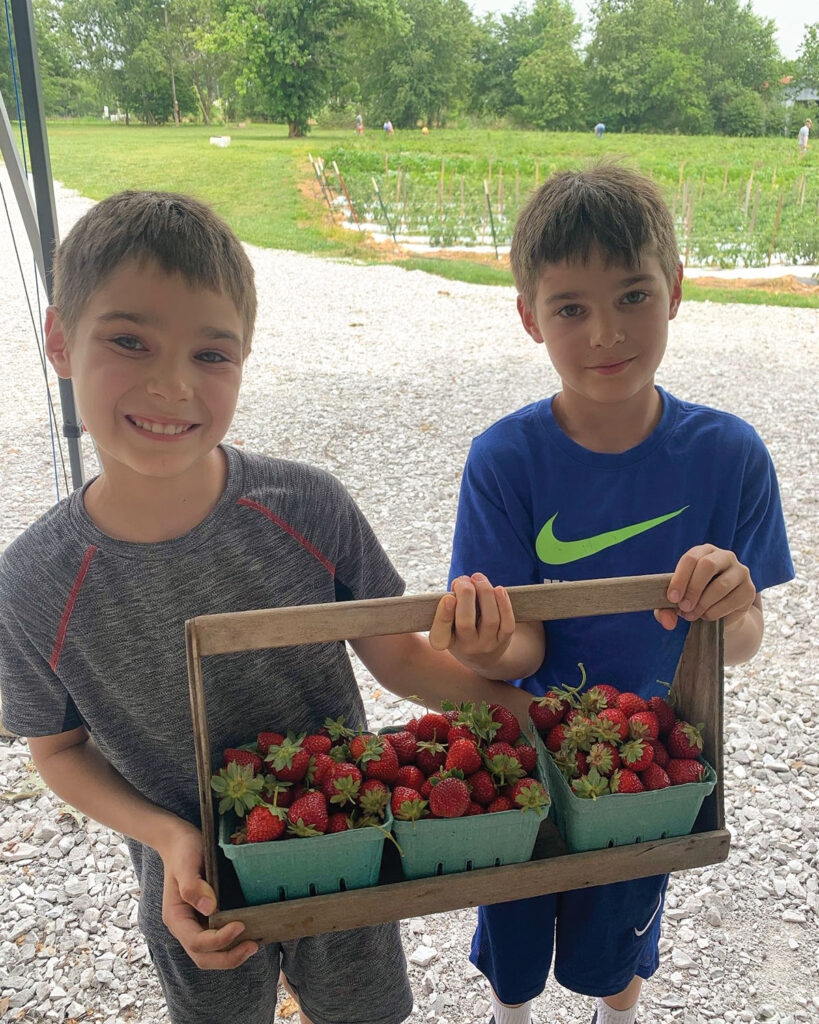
(220, 140)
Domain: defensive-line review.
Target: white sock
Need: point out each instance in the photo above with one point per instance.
(607, 1015)
(511, 1014)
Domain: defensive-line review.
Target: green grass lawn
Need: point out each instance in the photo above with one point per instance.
(264, 186)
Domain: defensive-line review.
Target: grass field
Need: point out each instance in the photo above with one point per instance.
(724, 192)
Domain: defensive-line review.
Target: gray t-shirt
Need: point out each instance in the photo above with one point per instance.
(92, 630)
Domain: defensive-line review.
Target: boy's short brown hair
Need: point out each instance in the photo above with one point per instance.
(180, 234)
(609, 206)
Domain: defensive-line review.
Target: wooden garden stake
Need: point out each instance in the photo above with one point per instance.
(688, 231)
(491, 218)
(680, 182)
(702, 184)
(776, 226)
(317, 172)
(463, 207)
(725, 180)
(748, 193)
(347, 194)
(500, 192)
(384, 209)
(489, 172)
(802, 192)
(398, 187)
(753, 215)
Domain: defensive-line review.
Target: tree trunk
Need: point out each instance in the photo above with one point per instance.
(295, 131)
(203, 106)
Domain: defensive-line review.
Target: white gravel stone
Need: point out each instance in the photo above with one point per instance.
(411, 367)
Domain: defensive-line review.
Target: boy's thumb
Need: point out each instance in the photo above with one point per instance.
(198, 894)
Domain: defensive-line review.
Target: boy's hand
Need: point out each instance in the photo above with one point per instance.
(708, 583)
(475, 622)
(187, 898)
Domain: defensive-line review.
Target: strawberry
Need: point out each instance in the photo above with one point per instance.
(685, 740)
(407, 804)
(341, 785)
(265, 824)
(412, 726)
(682, 770)
(599, 697)
(317, 743)
(430, 756)
(509, 725)
(591, 785)
(373, 797)
(432, 726)
(461, 732)
(321, 765)
(338, 821)
(661, 755)
(278, 793)
(379, 760)
(243, 757)
(556, 737)
(451, 715)
(664, 712)
(526, 754)
(289, 760)
(449, 798)
(643, 726)
(410, 775)
(426, 789)
(624, 780)
(603, 757)
(266, 740)
(528, 794)
(500, 803)
(547, 711)
(403, 743)
(506, 749)
(655, 777)
(308, 815)
(482, 787)
(474, 809)
(630, 704)
(358, 745)
(636, 754)
(612, 718)
(465, 755)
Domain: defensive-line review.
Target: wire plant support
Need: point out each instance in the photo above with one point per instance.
(384, 210)
(491, 218)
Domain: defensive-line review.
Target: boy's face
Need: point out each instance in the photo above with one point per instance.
(156, 367)
(605, 327)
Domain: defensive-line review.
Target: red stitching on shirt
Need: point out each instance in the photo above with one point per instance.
(69, 607)
(305, 543)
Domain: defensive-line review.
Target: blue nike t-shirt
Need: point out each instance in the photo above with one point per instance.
(537, 507)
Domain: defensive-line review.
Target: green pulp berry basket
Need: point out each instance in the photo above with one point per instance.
(619, 819)
(441, 846)
(293, 868)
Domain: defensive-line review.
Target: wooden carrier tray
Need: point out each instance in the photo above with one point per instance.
(699, 698)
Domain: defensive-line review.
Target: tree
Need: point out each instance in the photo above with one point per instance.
(419, 65)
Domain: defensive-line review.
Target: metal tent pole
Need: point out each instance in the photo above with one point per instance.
(29, 65)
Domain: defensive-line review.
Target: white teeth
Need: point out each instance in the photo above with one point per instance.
(160, 428)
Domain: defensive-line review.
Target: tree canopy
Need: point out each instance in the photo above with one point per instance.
(687, 66)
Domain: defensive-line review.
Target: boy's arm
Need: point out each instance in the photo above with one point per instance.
(476, 624)
(711, 583)
(73, 767)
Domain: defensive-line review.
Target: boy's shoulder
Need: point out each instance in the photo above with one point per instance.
(300, 481)
(44, 541)
(509, 430)
(706, 423)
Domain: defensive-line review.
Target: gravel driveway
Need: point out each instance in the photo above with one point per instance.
(383, 377)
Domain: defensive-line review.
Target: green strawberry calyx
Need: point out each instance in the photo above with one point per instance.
(238, 788)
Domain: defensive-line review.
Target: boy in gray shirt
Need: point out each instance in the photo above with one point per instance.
(153, 315)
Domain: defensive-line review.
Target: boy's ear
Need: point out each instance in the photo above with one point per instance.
(56, 343)
(676, 293)
(528, 320)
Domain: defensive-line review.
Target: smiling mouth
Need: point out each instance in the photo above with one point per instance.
(165, 429)
(610, 366)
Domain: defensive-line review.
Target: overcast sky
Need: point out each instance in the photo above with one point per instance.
(790, 16)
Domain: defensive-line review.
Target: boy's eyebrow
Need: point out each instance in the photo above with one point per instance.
(211, 333)
(624, 283)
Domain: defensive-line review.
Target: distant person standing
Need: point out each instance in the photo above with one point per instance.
(359, 124)
(599, 130)
(388, 128)
(804, 132)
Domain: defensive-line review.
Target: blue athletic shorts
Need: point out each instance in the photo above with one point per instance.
(601, 938)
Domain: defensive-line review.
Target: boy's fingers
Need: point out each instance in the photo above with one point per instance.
(466, 608)
(712, 569)
(440, 632)
(667, 617)
(489, 618)
(506, 626)
(198, 894)
(681, 577)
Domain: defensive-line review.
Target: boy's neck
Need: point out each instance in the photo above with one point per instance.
(147, 510)
(611, 428)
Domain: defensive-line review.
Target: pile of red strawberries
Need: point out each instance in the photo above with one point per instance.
(459, 762)
(608, 741)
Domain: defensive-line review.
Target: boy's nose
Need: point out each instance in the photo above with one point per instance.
(170, 383)
(606, 334)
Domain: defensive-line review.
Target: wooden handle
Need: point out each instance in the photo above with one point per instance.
(348, 620)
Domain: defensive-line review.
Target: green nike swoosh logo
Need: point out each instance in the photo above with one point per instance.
(558, 552)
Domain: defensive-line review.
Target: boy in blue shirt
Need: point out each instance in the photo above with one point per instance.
(612, 476)
(153, 316)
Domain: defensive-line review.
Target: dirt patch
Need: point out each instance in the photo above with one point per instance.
(786, 283)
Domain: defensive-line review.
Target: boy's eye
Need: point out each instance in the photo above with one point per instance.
(633, 298)
(569, 311)
(128, 342)
(212, 357)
